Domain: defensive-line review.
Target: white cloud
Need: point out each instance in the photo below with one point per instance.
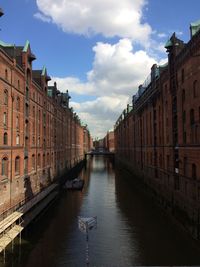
(116, 74)
(107, 17)
(42, 17)
(162, 35)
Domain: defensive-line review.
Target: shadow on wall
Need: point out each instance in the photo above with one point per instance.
(28, 188)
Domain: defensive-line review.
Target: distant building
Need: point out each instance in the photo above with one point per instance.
(109, 143)
(158, 137)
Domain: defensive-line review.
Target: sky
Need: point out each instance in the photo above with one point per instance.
(99, 50)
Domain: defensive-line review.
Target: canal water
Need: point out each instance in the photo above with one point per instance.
(130, 231)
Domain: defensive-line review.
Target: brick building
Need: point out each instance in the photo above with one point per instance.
(158, 137)
(40, 136)
(109, 144)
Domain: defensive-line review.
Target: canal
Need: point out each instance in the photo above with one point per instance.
(131, 229)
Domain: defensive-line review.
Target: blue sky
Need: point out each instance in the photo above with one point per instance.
(93, 49)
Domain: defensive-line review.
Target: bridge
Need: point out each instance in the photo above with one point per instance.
(100, 152)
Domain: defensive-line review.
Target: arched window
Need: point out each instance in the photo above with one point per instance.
(192, 117)
(43, 160)
(18, 104)
(17, 139)
(194, 171)
(39, 161)
(195, 88)
(33, 162)
(183, 96)
(182, 75)
(4, 167)
(17, 122)
(48, 159)
(6, 74)
(5, 119)
(26, 165)
(17, 165)
(26, 110)
(5, 97)
(27, 93)
(5, 139)
(33, 112)
(28, 78)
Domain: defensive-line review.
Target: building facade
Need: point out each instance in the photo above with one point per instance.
(40, 136)
(158, 136)
(109, 143)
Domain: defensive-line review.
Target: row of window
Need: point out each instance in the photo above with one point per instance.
(5, 164)
(195, 92)
(5, 139)
(5, 100)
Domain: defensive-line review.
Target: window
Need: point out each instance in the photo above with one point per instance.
(185, 166)
(33, 112)
(43, 160)
(4, 167)
(194, 171)
(39, 160)
(6, 97)
(184, 137)
(5, 119)
(18, 84)
(192, 117)
(27, 93)
(48, 159)
(27, 111)
(17, 122)
(182, 75)
(18, 104)
(184, 116)
(17, 165)
(26, 165)
(195, 88)
(17, 139)
(6, 74)
(33, 162)
(167, 162)
(183, 96)
(5, 139)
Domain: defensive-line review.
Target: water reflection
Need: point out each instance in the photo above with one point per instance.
(130, 229)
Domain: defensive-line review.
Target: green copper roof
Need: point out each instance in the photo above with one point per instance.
(5, 44)
(44, 71)
(168, 43)
(25, 49)
(194, 27)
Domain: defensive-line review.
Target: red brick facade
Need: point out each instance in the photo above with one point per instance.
(159, 135)
(109, 143)
(40, 136)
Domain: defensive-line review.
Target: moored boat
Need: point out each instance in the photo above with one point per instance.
(75, 184)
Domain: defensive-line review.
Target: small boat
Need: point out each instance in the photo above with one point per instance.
(75, 184)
